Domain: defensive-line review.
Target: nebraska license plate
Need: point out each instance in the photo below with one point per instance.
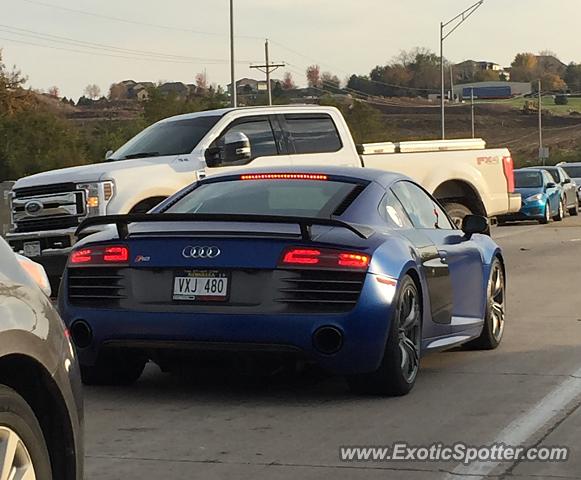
(201, 286)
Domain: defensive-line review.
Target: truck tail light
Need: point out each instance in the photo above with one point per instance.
(100, 255)
(324, 258)
(508, 167)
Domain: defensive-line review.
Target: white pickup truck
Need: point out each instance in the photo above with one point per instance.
(46, 208)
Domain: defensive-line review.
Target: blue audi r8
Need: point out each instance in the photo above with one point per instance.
(358, 270)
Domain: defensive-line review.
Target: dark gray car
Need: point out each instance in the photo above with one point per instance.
(567, 186)
(41, 413)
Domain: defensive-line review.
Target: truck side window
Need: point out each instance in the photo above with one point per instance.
(423, 211)
(260, 134)
(313, 133)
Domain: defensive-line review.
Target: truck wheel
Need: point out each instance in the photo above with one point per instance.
(146, 205)
(457, 212)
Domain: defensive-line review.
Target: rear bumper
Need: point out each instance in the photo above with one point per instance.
(514, 202)
(364, 331)
(532, 211)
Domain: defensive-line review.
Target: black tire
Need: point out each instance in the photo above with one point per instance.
(391, 379)
(493, 329)
(457, 212)
(113, 368)
(560, 212)
(546, 216)
(17, 416)
(574, 210)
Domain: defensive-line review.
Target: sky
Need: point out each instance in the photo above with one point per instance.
(174, 40)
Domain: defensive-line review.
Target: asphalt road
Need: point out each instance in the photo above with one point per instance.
(528, 392)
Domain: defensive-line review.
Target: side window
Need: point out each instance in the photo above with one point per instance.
(423, 211)
(393, 212)
(259, 132)
(313, 133)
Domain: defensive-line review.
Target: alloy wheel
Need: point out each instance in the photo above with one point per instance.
(15, 460)
(409, 321)
(497, 301)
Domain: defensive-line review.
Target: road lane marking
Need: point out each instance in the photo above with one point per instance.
(525, 426)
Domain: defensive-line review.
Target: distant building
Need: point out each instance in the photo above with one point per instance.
(552, 64)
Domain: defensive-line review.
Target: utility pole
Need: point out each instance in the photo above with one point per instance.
(541, 151)
(452, 99)
(455, 24)
(473, 116)
(442, 101)
(234, 92)
(268, 68)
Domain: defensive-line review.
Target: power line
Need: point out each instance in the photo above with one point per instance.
(132, 22)
(99, 46)
(23, 42)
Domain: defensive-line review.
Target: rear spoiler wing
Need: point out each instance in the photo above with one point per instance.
(305, 223)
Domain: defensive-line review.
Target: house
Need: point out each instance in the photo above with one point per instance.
(471, 69)
(177, 89)
(142, 95)
(552, 64)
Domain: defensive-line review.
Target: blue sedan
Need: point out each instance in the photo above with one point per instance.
(541, 197)
(360, 271)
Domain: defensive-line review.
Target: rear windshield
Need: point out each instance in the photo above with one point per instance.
(528, 179)
(573, 172)
(554, 173)
(177, 137)
(308, 198)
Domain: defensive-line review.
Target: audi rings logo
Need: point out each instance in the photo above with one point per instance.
(201, 252)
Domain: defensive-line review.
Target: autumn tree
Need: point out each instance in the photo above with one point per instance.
(314, 76)
(525, 68)
(93, 91)
(202, 81)
(288, 83)
(330, 80)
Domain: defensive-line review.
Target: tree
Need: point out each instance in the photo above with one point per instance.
(54, 91)
(314, 76)
(525, 68)
(202, 81)
(288, 82)
(330, 80)
(573, 77)
(487, 76)
(93, 91)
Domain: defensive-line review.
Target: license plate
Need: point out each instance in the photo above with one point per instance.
(201, 286)
(32, 249)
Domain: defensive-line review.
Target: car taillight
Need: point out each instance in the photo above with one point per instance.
(508, 167)
(100, 255)
(324, 258)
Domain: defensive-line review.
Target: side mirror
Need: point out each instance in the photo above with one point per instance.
(213, 157)
(237, 148)
(109, 154)
(474, 224)
(551, 185)
(567, 181)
